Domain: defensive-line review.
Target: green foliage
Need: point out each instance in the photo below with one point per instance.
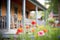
(53, 6)
(11, 37)
(0, 36)
(51, 20)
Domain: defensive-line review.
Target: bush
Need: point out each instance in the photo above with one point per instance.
(51, 20)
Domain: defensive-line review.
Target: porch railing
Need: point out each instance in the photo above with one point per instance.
(2, 22)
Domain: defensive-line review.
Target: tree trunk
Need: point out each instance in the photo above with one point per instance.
(59, 10)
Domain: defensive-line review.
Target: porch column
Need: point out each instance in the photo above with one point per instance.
(45, 16)
(8, 14)
(36, 13)
(24, 11)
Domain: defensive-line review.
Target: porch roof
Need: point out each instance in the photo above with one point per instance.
(35, 2)
(31, 5)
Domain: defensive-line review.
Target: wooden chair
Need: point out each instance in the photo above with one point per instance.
(1, 24)
(4, 22)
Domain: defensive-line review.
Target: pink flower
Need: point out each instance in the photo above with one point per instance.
(51, 14)
(41, 33)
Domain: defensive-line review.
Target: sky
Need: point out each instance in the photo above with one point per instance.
(43, 3)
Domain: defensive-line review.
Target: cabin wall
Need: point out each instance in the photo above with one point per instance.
(3, 8)
(19, 13)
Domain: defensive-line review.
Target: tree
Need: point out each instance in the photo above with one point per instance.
(55, 6)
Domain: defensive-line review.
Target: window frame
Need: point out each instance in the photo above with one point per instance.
(0, 8)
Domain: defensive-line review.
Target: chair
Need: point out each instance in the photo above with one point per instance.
(1, 24)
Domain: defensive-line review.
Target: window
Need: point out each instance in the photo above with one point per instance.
(0, 7)
(15, 15)
(14, 18)
(0, 16)
(27, 13)
(15, 9)
(32, 15)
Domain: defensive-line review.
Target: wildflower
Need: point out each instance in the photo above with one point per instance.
(21, 25)
(41, 27)
(37, 25)
(27, 27)
(19, 30)
(41, 33)
(45, 30)
(33, 22)
(32, 30)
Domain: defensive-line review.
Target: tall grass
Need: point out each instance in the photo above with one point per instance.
(52, 34)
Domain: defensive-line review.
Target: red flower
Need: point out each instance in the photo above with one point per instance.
(19, 30)
(33, 22)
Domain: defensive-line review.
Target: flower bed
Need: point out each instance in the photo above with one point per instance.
(39, 33)
(36, 32)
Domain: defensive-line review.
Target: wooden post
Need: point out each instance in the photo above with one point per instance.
(8, 14)
(36, 13)
(24, 11)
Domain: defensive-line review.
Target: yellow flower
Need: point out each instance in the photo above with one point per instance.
(41, 27)
(54, 29)
(37, 25)
(36, 35)
(32, 30)
(20, 28)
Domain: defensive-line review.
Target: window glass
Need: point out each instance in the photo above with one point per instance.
(0, 7)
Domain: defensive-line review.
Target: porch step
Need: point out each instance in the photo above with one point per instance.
(8, 36)
(6, 31)
(3, 30)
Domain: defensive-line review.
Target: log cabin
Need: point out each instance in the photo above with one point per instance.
(13, 11)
